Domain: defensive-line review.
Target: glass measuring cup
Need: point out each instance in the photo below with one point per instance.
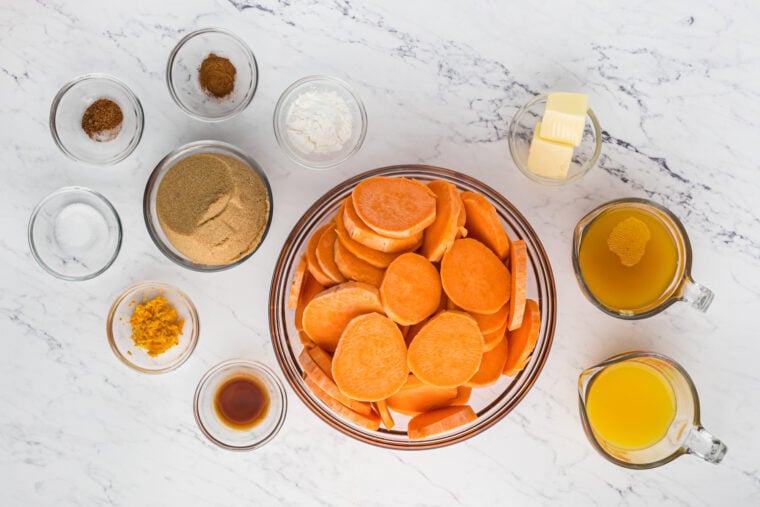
(683, 434)
(676, 287)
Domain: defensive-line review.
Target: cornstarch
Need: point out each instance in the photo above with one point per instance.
(319, 122)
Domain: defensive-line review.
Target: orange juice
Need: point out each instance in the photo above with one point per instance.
(628, 258)
(630, 405)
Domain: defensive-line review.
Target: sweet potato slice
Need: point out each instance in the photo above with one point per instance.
(311, 258)
(440, 235)
(447, 350)
(518, 262)
(326, 255)
(305, 340)
(326, 383)
(359, 231)
(439, 421)
(491, 366)
(321, 358)
(491, 322)
(484, 225)
(311, 287)
(326, 316)
(490, 340)
(463, 395)
(385, 414)
(474, 278)
(394, 207)
(354, 268)
(297, 285)
(371, 421)
(370, 361)
(523, 340)
(370, 255)
(416, 397)
(411, 289)
(461, 223)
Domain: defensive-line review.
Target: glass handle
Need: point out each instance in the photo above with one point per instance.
(698, 296)
(703, 444)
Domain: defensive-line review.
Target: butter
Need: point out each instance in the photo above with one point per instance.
(565, 118)
(549, 158)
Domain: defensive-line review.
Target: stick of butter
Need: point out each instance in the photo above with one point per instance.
(565, 118)
(549, 158)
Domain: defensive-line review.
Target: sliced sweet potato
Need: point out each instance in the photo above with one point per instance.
(326, 255)
(361, 232)
(354, 268)
(321, 358)
(490, 340)
(440, 235)
(416, 397)
(491, 366)
(394, 207)
(461, 223)
(305, 340)
(439, 421)
(370, 255)
(371, 421)
(523, 340)
(326, 316)
(311, 258)
(311, 287)
(297, 285)
(484, 225)
(447, 350)
(491, 322)
(518, 262)
(411, 289)
(385, 414)
(474, 278)
(326, 383)
(370, 361)
(463, 395)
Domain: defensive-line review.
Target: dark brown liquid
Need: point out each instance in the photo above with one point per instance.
(241, 402)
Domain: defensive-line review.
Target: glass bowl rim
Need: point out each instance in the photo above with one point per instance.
(449, 438)
(193, 337)
(542, 97)
(279, 135)
(134, 102)
(251, 89)
(69, 190)
(258, 367)
(171, 158)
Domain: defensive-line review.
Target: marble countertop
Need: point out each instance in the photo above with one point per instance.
(676, 87)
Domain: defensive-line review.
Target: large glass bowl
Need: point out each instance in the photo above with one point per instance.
(490, 403)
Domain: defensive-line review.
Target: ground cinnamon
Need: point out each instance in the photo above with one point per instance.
(217, 76)
(102, 120)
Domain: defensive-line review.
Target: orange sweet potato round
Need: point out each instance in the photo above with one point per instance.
(394, 207)
(411, 289)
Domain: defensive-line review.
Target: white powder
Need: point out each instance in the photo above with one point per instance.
(79, 228)
(319, 122)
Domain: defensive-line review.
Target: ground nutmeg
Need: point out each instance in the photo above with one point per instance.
(102, 120)
(217, 76)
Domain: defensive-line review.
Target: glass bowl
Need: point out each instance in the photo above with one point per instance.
(212, 425)
(317, 160)
(74, 233)
(72, 101)
(119, 329)
(151, 190)
(490, 403)
(520, 135)
(182, 74)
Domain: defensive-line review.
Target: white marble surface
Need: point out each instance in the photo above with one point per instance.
(676, 86)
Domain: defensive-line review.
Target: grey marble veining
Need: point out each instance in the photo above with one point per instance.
(676, 87)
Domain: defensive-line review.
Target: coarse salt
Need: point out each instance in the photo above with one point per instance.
(319, 122)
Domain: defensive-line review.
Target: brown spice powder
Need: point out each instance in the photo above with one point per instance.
(102, 120)
(217, 76)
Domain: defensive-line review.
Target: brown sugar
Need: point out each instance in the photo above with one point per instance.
(102, 120)
(217, 76)
(213, 208)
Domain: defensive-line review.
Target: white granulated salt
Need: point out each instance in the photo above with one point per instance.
(79, 228)
(319, 122)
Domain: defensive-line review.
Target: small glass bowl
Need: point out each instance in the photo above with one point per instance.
(74, 233)
(119, 329)
(69, 106)
(151, 191)
(491, 403)
(182, 74)
(520, 135)
(321, 84)
(216, 430)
